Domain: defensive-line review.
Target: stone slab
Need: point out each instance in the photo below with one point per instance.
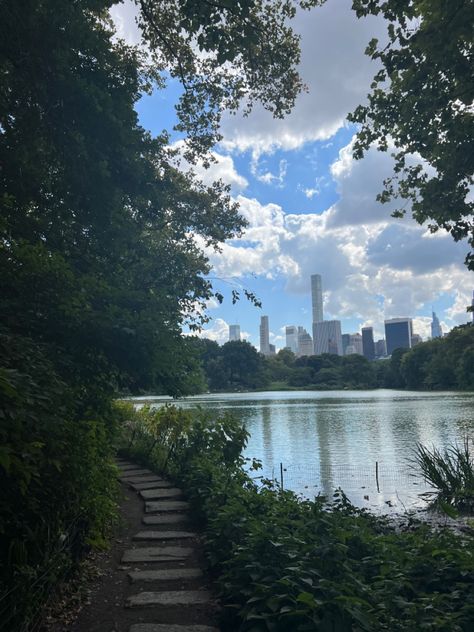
(154, 506)
(169, 598)
(159, 482)
(138, 479)
(154, 494)
(136, 472)
(163, 535)
(165, 575)
(157, 554)
(167, 627)
(169, 518)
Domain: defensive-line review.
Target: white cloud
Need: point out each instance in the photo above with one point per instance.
(336, 71)
(219, 332)
(222, 168)
(124, 15)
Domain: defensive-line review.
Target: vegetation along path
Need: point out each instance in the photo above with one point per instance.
(156, 583)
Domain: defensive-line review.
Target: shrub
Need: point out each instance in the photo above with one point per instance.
(451, 473)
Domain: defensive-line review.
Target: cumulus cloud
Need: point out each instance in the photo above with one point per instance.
(219, 332)
(221, 168)
(337, 74)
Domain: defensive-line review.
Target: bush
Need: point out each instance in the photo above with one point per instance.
(451, 473)
(57, 481)
(283, 564)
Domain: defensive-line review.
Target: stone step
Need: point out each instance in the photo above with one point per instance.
(157, 554)
(167, 627)
(168, 598)
(159, 482)
(163, 535)
(165, 575)
(149, 478)
(163, 519)
(154, 506)
(154, 494)
(136, 472)
(125, 467)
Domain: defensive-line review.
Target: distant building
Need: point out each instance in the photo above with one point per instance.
(326, 335)
(368, 347)
(234, 332)
(355, 341)
(436, 331)
(317, 297)
(416, 339)
(472, 305)
(398, 333)
(305, 343)
(380, 348)
(272, 350)
(346, 341)
(292, 338)
(264, 336)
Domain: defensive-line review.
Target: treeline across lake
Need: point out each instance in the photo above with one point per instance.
(443, 363)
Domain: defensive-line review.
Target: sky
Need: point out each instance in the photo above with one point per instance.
(311, 207)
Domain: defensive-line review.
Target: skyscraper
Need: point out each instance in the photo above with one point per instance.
(305, 343)
(346, 341)
(380, 348)
(398, 332)
(436, 331)
(292, 338)
(317, 298)
(327, 335)
(264, 336)
(234, 332)
(368, 347)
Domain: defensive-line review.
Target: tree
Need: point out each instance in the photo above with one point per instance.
(421, 102)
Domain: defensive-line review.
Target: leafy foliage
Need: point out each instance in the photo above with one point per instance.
(421, 101)
(284, 564)
(451, 473)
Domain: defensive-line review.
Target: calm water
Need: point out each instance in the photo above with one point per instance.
(326, 439)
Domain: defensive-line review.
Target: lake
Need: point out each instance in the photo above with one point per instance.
(361, 441)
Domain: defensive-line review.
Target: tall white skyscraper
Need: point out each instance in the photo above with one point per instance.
(327, 337)
(292, 338)
(436, 331)
(264, 336)
(234, 332)
(317, 298)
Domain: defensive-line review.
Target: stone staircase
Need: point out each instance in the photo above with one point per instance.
(163, 561)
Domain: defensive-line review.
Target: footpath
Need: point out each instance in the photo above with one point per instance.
(154, 580)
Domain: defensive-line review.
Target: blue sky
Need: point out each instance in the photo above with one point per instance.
(311, 207)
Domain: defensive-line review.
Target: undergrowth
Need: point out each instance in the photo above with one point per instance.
(282, 564)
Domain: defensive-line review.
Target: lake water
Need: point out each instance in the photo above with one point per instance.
(361, 441)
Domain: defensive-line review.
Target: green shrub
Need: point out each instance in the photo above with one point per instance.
(451, 473)
(57, 481)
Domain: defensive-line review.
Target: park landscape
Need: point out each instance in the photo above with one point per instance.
(113, 240)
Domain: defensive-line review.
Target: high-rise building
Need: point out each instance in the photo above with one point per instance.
(326, 335)
(305, 343)
(398, 333)
(234, 332)
(355, 341)
(346, 341)
(292, 338)
(317, 298)
(436, 331)
(368, 347)
(380, 348)
(416, 339)
(264, 336)
(272, 349)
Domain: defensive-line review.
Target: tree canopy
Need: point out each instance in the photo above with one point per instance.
(421, 103)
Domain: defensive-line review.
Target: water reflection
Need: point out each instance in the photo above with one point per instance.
(330, 439)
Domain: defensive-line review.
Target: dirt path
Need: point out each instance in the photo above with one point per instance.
(153, 579)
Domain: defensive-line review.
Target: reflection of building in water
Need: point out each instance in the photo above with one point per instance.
(265, 410)
(325, 432)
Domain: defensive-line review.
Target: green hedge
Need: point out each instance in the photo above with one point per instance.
(283, 564)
